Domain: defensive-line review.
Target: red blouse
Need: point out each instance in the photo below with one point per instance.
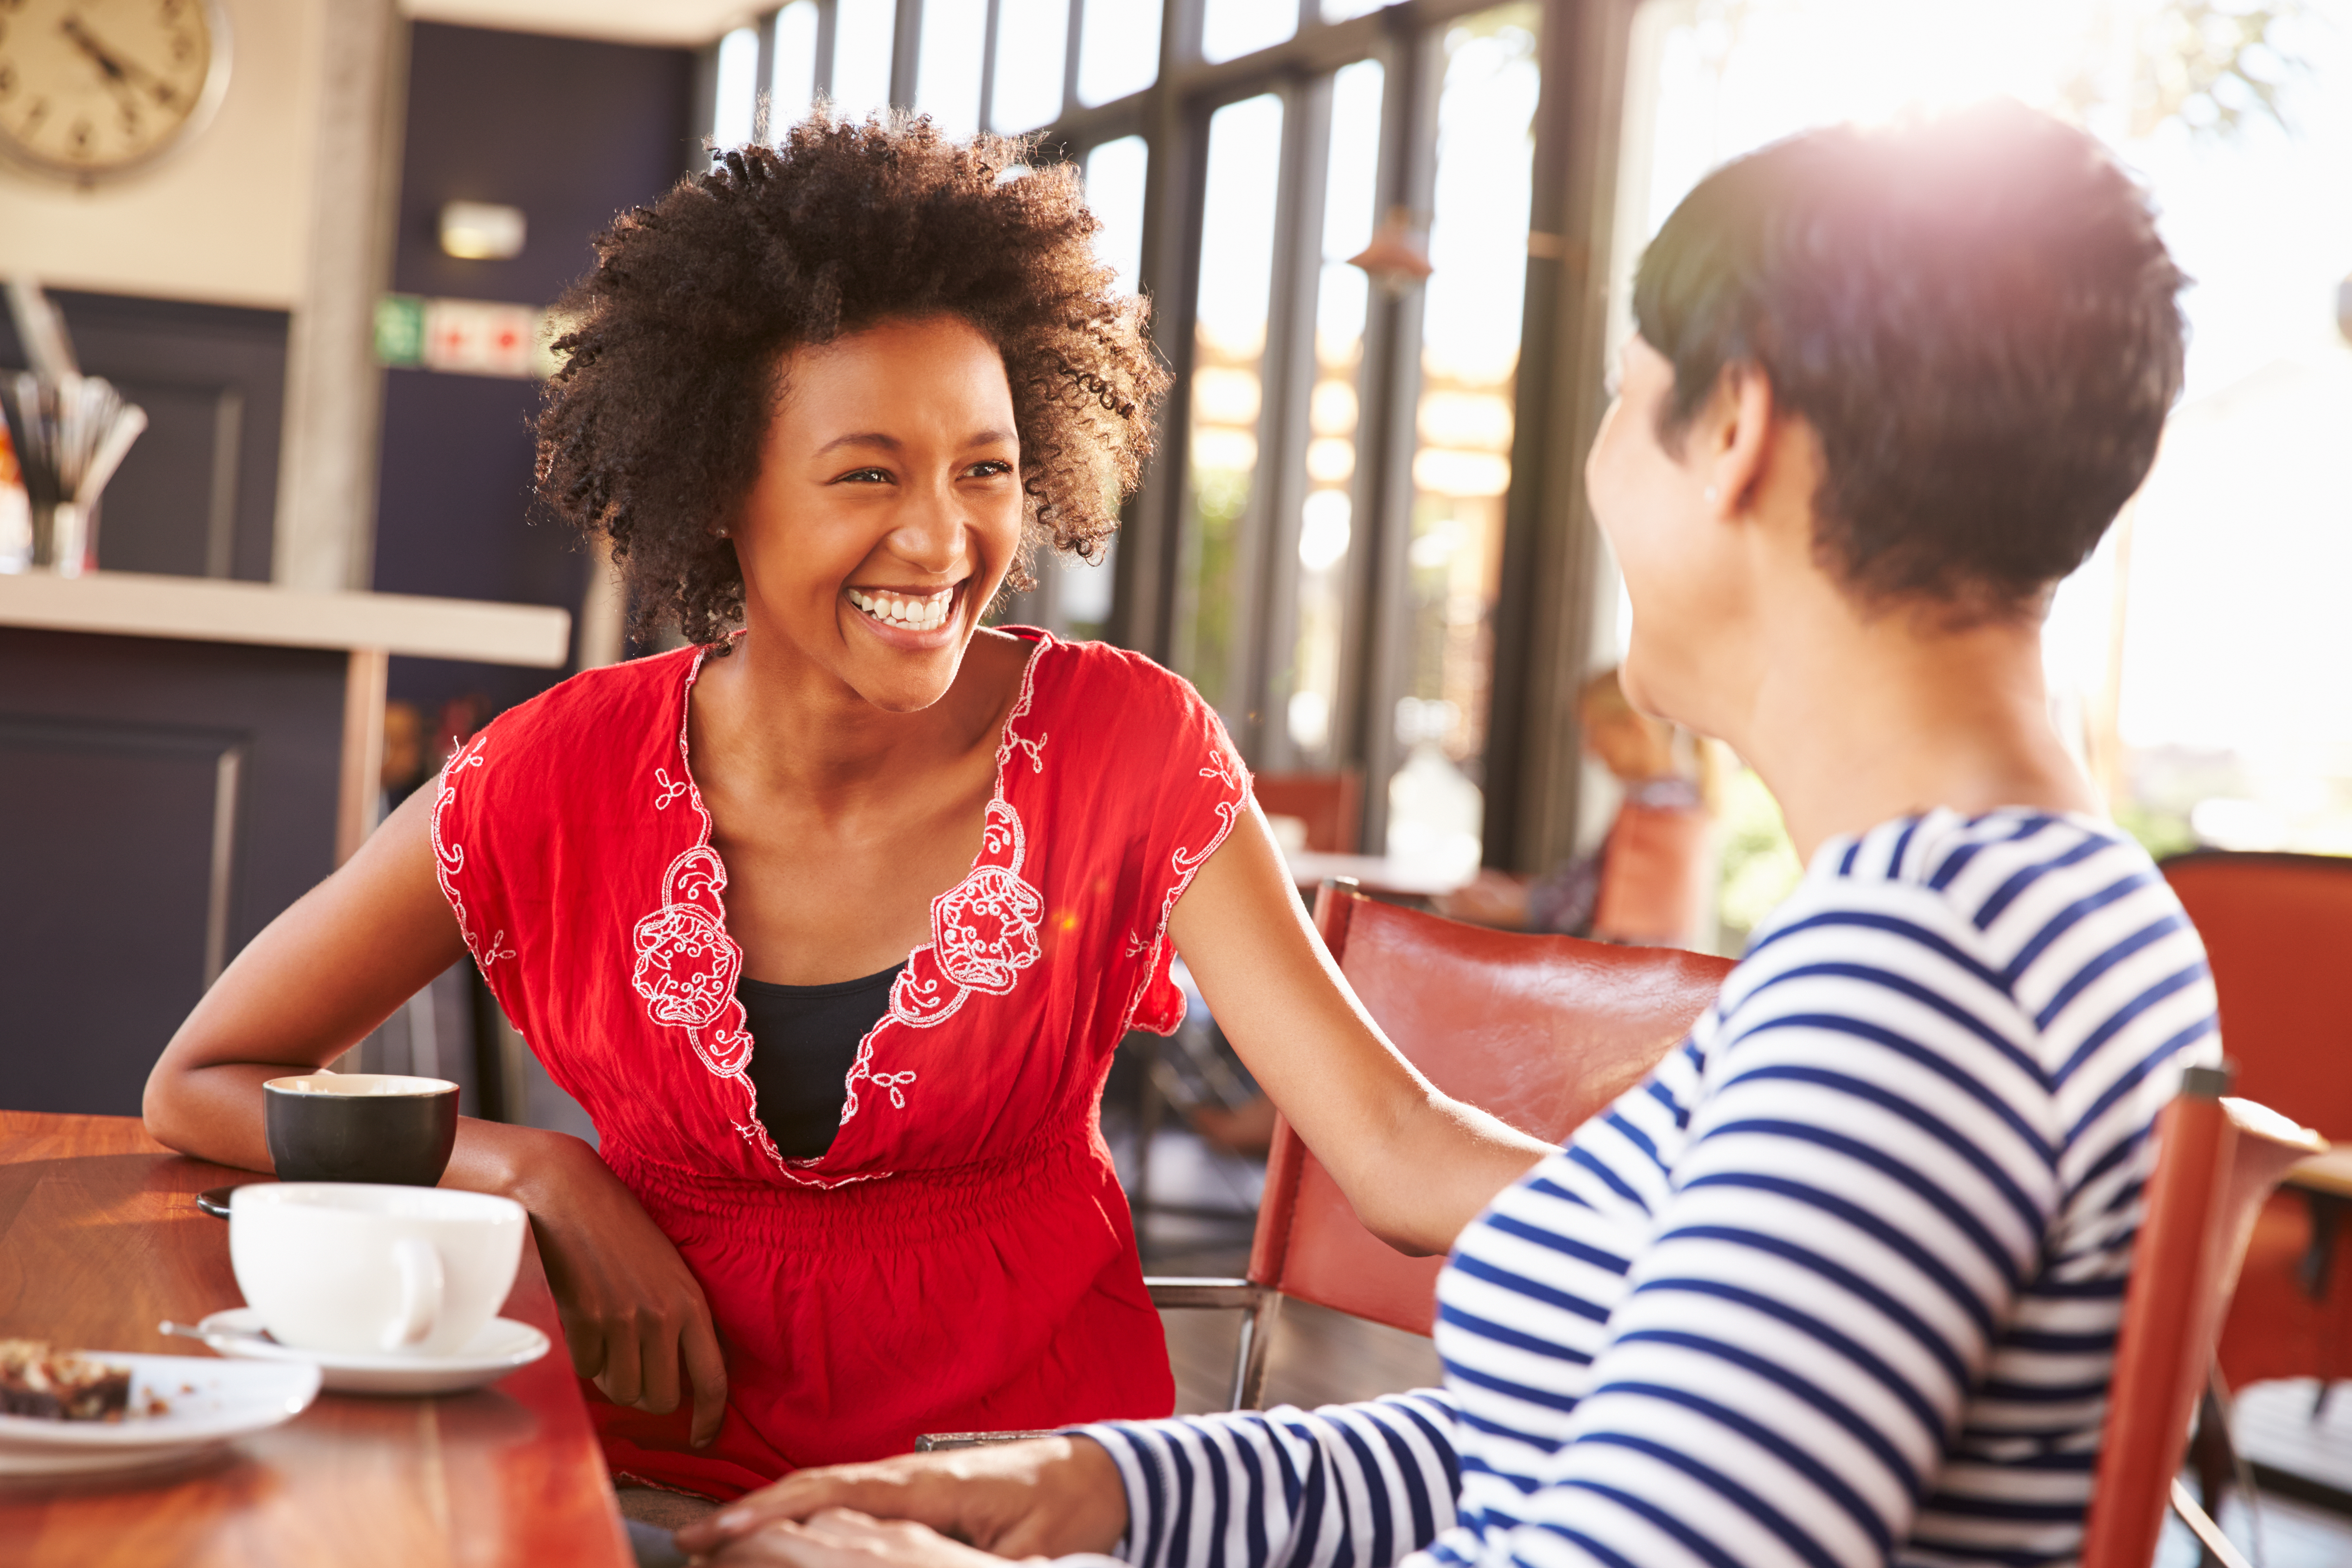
(961, 1258)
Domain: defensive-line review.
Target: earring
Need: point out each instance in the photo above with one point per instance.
(1710, 495)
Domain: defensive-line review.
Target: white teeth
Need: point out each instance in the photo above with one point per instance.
(899, 609)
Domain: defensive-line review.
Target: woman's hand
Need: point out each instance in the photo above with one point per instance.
(1044, 1498)
(632, 1310)
(844, 1537)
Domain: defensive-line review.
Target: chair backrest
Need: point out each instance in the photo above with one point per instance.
(2276, 928)
(1330, 804)
(1541, 1031)
(2216, 1160)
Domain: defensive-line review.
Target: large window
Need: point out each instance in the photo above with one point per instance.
(965, 63)
(2197, 660)
(1328, 202)
(1469, 359)
(1312, 685)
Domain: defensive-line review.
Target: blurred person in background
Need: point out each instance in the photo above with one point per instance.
(1647, 881)
(1839, 1283)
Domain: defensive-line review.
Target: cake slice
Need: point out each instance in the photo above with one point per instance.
(38, 1381)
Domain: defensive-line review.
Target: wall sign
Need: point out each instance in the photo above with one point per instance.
(466, 337)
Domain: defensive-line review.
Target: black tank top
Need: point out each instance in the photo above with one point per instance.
(803, 1042)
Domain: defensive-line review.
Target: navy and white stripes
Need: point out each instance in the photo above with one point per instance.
(1837, 1285)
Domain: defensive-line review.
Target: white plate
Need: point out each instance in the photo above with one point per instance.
(204, 1402)
(501, 1346)
(68, 1462)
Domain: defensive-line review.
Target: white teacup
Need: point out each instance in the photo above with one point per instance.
(355, 1268)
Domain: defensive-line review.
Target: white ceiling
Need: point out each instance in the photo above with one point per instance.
(674, 22)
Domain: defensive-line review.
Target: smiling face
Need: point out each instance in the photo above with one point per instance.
(887, 508)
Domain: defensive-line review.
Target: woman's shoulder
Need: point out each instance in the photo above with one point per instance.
(602, 704)
(1106, 670)
(568, 748)
(2037, 925)
(1987, 872)
(1116, 696)
(1125, 737)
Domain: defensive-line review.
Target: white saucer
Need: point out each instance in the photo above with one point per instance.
(501, 1346)
(195, 1402)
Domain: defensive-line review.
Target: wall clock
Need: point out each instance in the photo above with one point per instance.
(93, 88)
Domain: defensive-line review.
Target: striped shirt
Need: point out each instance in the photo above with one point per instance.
(1838, 1284)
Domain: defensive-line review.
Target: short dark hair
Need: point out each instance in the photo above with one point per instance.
(652, 429)
(1974, 313)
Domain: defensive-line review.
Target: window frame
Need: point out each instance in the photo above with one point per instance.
(1546, 620)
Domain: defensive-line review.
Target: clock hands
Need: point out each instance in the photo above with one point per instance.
(118, 72)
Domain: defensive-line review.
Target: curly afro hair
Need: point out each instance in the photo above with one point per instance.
(652, 429)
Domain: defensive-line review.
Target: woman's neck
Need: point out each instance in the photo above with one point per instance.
(1859, 719)
(794, 726)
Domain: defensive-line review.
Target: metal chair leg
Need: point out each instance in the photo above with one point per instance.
(1249, 1357)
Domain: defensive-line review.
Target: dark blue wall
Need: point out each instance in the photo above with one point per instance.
(573, 133)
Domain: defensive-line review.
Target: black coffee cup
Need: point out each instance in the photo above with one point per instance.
(360, 1126)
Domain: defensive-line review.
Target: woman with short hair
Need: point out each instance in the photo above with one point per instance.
(1839, 1283)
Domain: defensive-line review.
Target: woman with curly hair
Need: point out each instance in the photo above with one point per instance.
(833, 919)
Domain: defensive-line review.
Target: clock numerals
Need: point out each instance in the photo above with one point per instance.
(90, 88)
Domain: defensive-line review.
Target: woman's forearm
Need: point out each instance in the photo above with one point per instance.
(216, 1114)
(1440, 1164)
(307, 990)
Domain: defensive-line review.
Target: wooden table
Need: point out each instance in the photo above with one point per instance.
(1375, 874)
(101, 1239)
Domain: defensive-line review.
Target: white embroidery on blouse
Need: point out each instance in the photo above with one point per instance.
(983, 934)
(984, 928)
(1223, 766)
(686, 965)
(450, 859)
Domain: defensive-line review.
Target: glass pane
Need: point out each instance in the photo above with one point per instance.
(1115, 173)
(1470, 352)
(739, 88)
(862, 34)
(1082, 598)
(793, 84)
(947, 68)
(1341, 10)
(1231, 29)
(1118, 49)
(1326, 521)
(1033, 42)
(1228, 355)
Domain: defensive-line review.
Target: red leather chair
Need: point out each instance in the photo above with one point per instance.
(1541, 1031)
(1330, 804)
(2216, 1162)
(2278, 930)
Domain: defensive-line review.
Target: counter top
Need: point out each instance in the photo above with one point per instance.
(212, 610)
